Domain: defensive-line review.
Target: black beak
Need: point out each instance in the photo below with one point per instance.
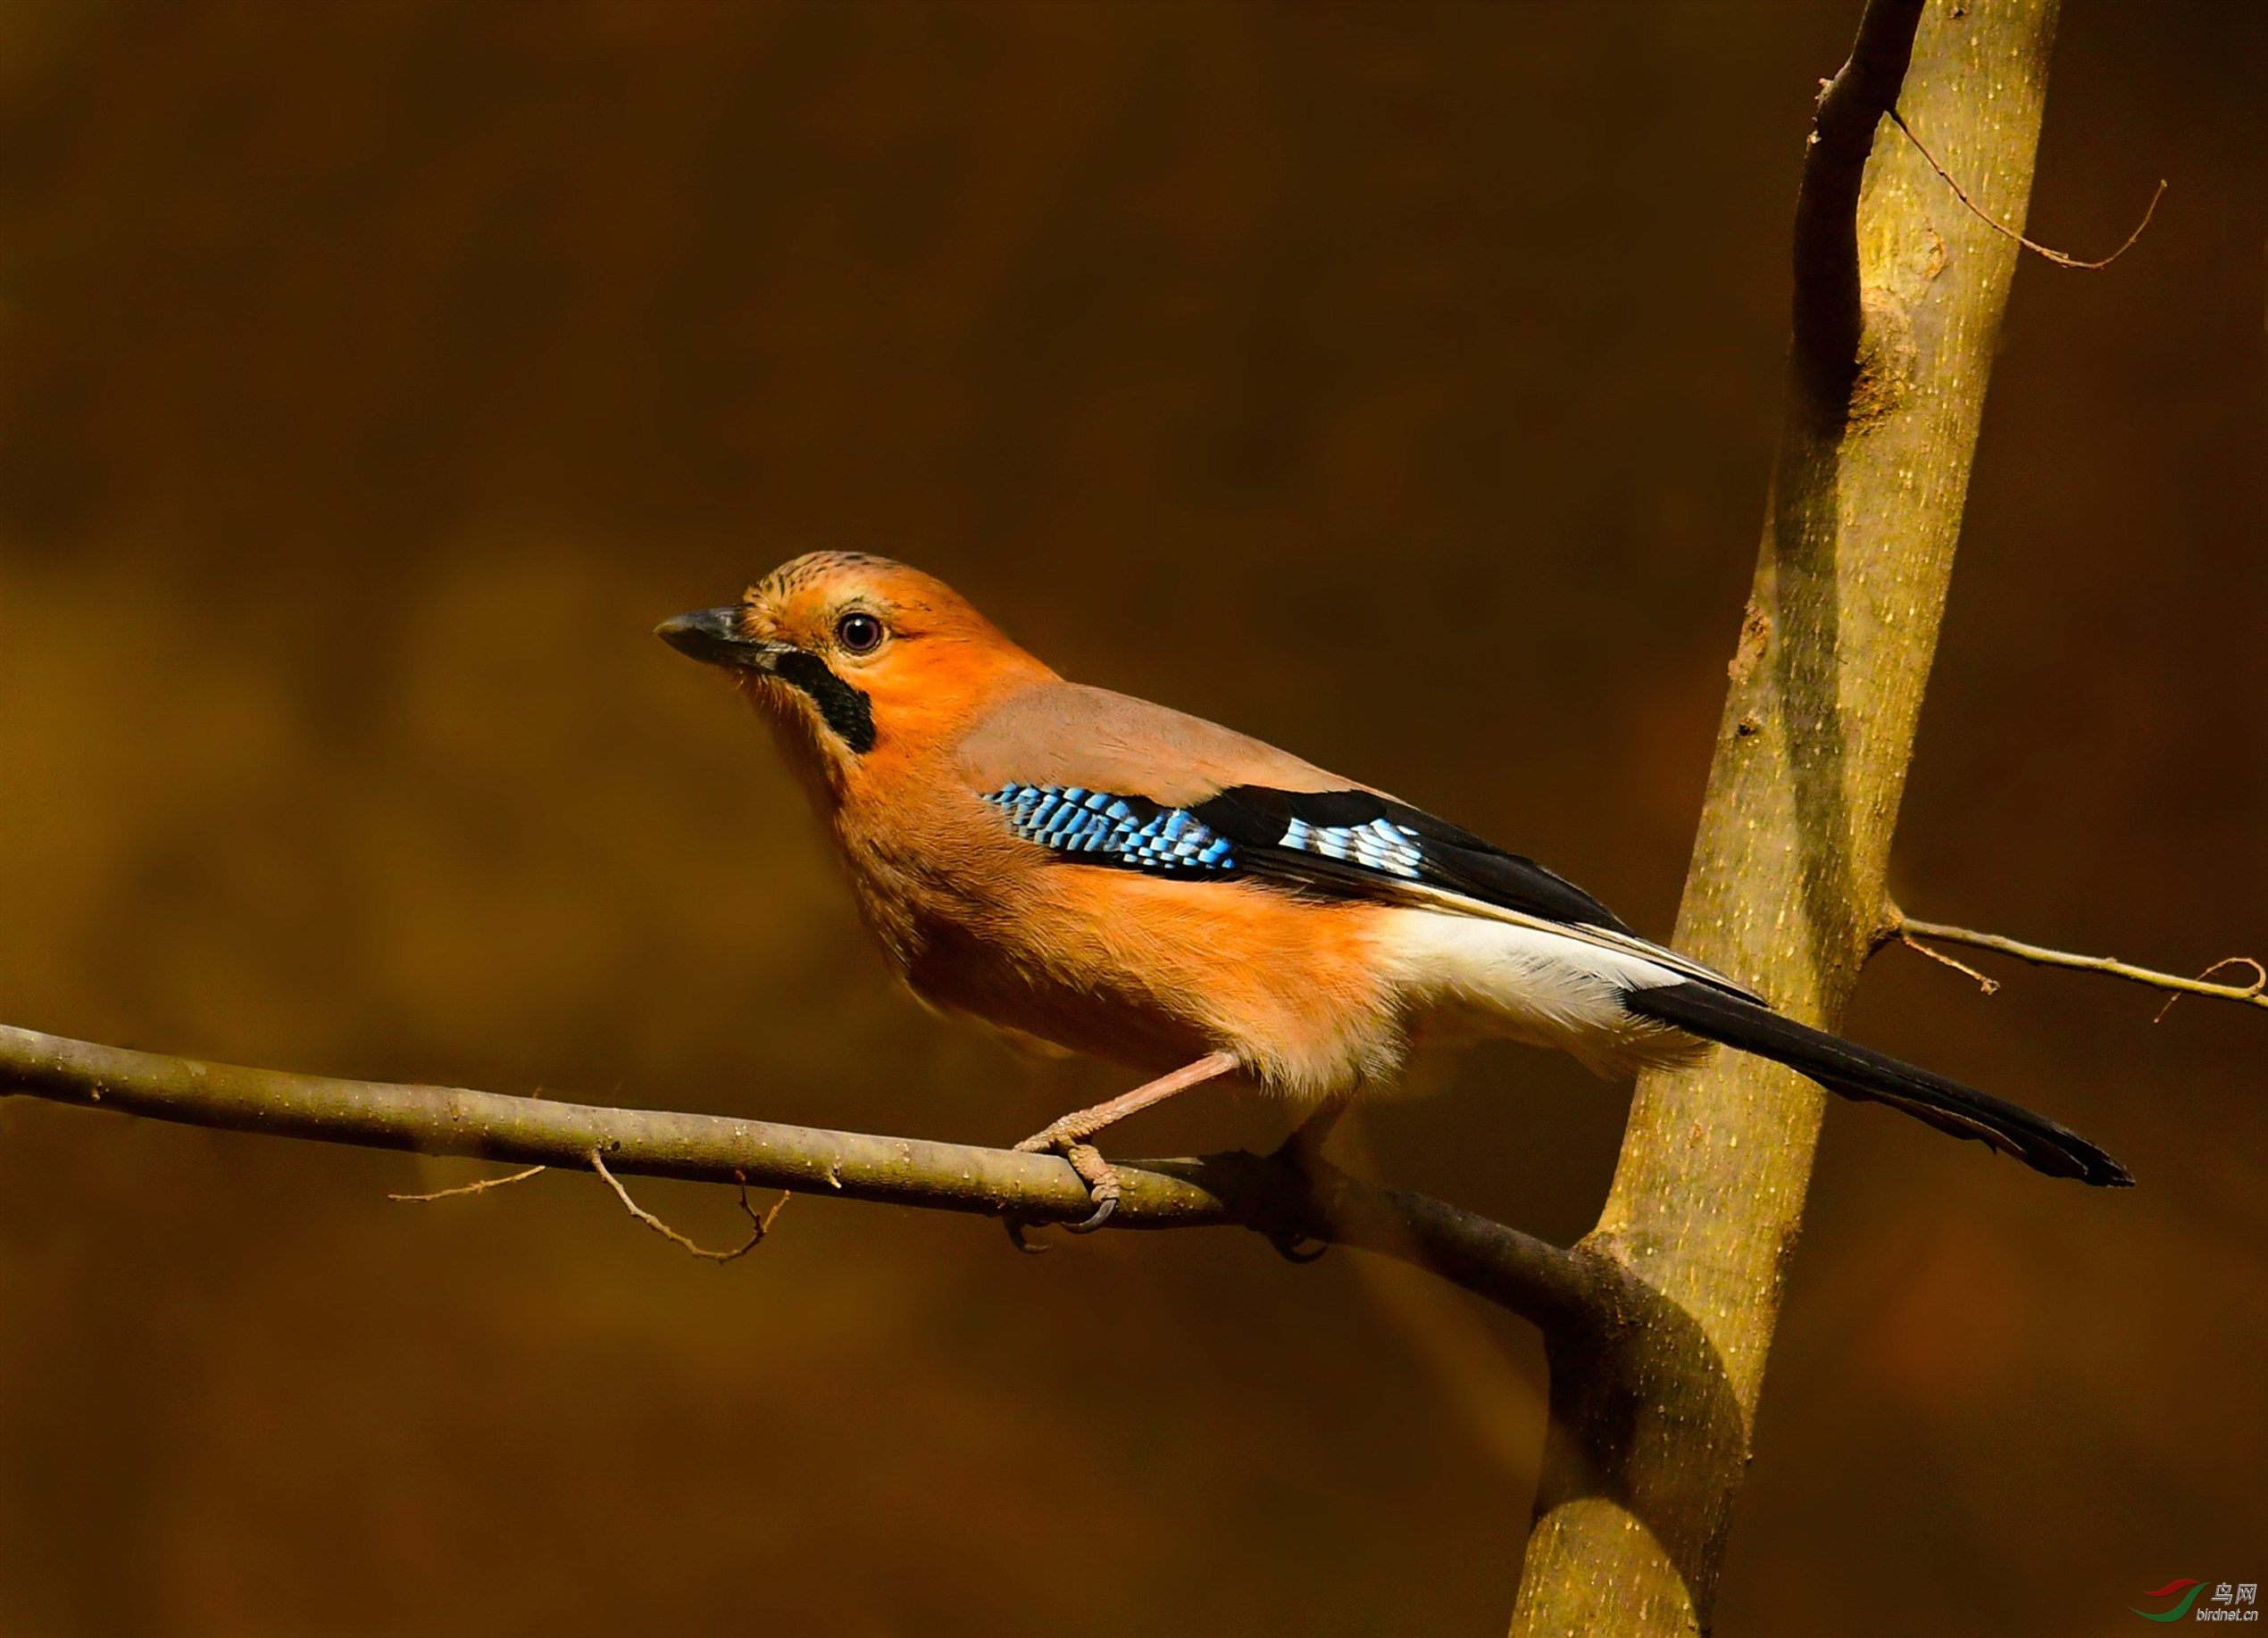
(713, 636)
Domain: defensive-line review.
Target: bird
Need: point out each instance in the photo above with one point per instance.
(1112, 877)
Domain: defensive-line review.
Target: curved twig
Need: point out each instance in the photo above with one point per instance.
(1280, 1198)
(759, 1227)
(2060, 258)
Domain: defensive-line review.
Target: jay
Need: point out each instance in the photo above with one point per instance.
(1123, 880)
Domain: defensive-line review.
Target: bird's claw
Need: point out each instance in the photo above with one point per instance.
(1103, 1183)
(1291, 1248)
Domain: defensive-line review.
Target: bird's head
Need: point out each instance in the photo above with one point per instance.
(850, 656)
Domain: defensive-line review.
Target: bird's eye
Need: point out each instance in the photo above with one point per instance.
(858, 633)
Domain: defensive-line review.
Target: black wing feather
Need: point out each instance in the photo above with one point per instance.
(1256, 818)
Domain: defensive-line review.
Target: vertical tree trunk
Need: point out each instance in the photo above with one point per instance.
(1652, 1414)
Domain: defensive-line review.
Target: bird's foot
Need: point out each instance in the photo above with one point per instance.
(1066, 1137)
(1304, 1149)
(1057, 1135)
(1302, 1152)
(1101, 1180)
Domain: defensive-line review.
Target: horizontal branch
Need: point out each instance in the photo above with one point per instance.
(1289, 1202)
(2253, 994)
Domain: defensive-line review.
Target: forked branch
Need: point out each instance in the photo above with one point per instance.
(758, 1225)
(1904, 927)
(1290, 1201)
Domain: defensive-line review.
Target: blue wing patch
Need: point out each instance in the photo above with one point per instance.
(1132, 831)
(1142, 834)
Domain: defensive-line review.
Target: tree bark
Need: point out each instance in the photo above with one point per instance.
(1900, 292)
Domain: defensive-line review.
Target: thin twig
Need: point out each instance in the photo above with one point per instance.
(481, 1187)
(2253, 994)
(2259, 981)
(1987, 984)
(763, 1225)
(1978, 211)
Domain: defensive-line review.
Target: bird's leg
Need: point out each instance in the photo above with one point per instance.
(1303, 1151)
(1307, 1139)
(1069, 1136)
(1085, 1123)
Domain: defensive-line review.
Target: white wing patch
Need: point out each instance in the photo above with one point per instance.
(1389, 849)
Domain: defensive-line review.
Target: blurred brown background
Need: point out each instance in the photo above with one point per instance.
(1396, 382)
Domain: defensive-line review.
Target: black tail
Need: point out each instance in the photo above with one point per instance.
(1856, 1072)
